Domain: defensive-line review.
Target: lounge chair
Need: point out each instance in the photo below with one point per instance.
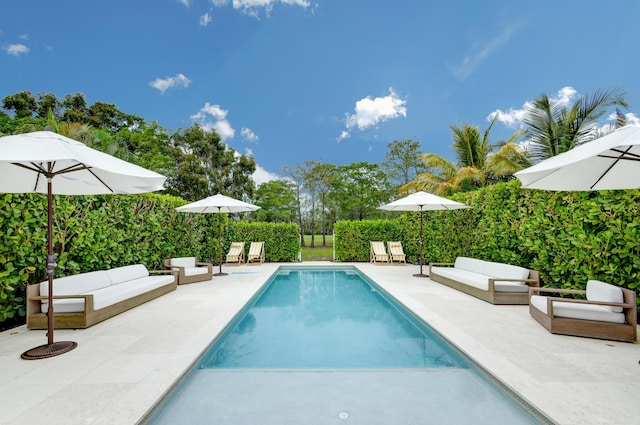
(396, 253)
(378, 252)
(609, 312)
(256, 252)
(236, 253)
(189, 270)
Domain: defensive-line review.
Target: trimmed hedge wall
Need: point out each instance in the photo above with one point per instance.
(101, 232)
(569, 237)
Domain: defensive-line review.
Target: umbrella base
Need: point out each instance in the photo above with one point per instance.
(221, 274)
(49, 350)
(420, 275)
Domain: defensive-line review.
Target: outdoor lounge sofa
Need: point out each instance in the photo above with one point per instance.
(82, 300)
(608, 312)
(189, 270)
(497, 283)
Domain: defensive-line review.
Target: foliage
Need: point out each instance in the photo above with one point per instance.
(281, 240)
(402, 162)
(569, 237)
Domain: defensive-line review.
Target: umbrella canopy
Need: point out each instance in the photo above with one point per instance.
(47, 162)
(610, 162)
(218, 204)
(27, 159)
(422, 201)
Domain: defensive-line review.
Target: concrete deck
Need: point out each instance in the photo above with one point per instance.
(122, 366)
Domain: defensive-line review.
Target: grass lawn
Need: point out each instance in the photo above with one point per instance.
(319, 253)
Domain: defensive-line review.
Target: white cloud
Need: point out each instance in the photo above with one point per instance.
(185, 2)
(369, 112)
(16, 49)
(164, 84)
(205, 20)
(512, 118)
(253, 7)
(344, 135)
(262, 176)
(249, 135)
(219, 123)
(481, 52)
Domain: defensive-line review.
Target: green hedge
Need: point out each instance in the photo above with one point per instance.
(101, 232)
(569, 237)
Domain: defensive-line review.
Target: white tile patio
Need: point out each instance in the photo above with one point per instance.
(123, 365)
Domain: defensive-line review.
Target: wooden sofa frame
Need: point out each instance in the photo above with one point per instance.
(184, 279)
(490, 295)
(627, 331)
(89, 317)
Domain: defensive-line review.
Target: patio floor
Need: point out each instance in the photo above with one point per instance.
(122, 366)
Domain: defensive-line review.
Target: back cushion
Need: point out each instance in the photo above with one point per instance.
(184, 262)
(469, 264)
(506, 271)
(605, 292)
(76, 284)
(126, 273)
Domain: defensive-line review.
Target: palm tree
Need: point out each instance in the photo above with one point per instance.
(476, 165)
(554, 128)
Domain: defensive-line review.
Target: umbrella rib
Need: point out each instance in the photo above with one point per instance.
(616, 158)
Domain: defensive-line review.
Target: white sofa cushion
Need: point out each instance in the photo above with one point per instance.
(116, 293)
(577, 311)
(478, 280)
(504, 271)
(605, 292)
(192, 271)
(469, 264)
(127, 273)
(183, 262)
(72, 285)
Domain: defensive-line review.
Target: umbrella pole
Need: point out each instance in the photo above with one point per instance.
(420, 243)
(220, 242)
(50, 349)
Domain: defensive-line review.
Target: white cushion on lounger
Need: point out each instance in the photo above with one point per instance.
(184, 261)
(605, 292)
(577, 311)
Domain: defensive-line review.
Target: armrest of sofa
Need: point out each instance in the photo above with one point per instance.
(533, 290)
(88, 300)
(441, 264)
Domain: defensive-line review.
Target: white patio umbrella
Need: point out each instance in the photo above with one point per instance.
(47, 162)
(218, 204)
(610, 162)
(422, 201)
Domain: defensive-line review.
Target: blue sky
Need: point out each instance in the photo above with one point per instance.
(327, 80)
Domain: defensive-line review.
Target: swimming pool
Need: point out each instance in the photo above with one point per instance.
(317, 345)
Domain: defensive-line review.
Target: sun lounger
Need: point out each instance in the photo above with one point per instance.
(378, 252)
(236, 253)
(256, 252)
(396, 253)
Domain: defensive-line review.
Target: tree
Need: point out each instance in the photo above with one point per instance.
(296, 177)
(402, 161)
(553, 128)
(277, 200)
(477, 165)
(76, 109)
(23, 104)
(358, 189)
(206, 166)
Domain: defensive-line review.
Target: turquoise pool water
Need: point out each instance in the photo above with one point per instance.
(313, 338)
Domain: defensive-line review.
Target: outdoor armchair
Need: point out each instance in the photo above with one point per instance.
(378, 253)
(396, 253)
(256, 252)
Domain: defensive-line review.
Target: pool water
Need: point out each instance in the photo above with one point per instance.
(320, 345)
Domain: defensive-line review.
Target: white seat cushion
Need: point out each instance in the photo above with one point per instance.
(577, 311)
(605, 292)
(478, 280)
(183, 262)
(127, 273)
(72, 285)
(504, 271)
(192, 271)
(116, 293)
